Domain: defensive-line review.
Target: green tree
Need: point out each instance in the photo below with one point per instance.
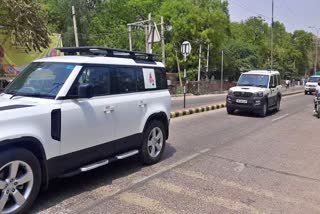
(25, 23)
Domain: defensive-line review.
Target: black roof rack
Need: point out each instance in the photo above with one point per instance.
(108, 52)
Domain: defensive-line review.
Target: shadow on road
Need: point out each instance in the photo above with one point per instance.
(62, 189)
(252, 114)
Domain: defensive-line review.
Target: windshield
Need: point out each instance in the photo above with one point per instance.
(40, 79)
(254, 80)
(314, 79)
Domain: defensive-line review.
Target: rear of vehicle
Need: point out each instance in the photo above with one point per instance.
(311, 85)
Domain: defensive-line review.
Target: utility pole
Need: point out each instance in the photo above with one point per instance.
(150, 30)
(199, 69)
(316, 59)
(178, 65)
(130, 37)
(146, 38)
(221, 86)
(272, 35)
(207, 68)
(316, 48)
(75, 27)
(163, 45)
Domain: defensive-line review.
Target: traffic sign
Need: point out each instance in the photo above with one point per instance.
(186, 48)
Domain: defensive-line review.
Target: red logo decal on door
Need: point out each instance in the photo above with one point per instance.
(151, 80)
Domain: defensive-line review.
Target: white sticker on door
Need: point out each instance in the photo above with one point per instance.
(149, 78)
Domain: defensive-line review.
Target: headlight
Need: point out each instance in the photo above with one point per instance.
(258, 94)
(230, 92)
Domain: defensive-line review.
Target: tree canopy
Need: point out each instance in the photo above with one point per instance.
(246, 44)
(24, 21)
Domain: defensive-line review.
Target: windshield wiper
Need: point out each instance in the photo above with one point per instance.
(31, 95)
(261, 86)
(14, 94)
(245, 85)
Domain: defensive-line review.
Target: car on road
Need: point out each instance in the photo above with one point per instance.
(311, 84)
(71, 114)
(257, 91)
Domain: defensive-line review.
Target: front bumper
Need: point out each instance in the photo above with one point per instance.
(310, 89)
(253, 103)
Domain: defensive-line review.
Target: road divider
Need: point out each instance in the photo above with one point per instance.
(292, 93)
(197, 110)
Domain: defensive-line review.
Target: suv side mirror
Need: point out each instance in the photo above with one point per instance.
(85, 91)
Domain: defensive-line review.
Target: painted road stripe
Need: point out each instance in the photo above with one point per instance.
(281, 117)
(147, 203)
(165, 169)
(218, 201)
(244, 188)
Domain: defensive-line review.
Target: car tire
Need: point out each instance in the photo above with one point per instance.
(20, 172)
(264, 110)
(230, 110)
(305, 92)
(154, 140)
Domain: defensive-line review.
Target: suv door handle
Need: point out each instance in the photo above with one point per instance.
(108, 109)
(142, 104)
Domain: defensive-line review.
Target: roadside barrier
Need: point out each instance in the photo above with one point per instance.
(196, 110)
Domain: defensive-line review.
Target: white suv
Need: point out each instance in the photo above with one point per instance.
(257, 91)
(311, 84)
(71, 114)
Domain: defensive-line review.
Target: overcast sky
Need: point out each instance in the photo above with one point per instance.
(295, 14)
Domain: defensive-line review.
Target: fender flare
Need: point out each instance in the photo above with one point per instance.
(35, 146)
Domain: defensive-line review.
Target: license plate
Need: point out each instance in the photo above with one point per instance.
(242, 101)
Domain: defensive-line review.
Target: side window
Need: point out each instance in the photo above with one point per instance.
(279, 80)
(126, 80)
(151, 79)
(271, 80)
(98, 77)
(161, 78)
(140, 79)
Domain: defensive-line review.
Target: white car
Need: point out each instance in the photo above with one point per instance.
(256, 91)
(71, 114)
(311, 85)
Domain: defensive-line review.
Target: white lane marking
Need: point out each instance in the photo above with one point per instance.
(147, 203)
(216, 200)
(250, 189)
(165, 169)
(205, 150)
(279, 118)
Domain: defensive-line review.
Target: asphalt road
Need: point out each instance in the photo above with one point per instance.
(198, 101)
(213, 163)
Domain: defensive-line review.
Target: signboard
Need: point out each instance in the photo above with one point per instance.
(154, 35)
(149, 78)
(14, 59)
(186, 48)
